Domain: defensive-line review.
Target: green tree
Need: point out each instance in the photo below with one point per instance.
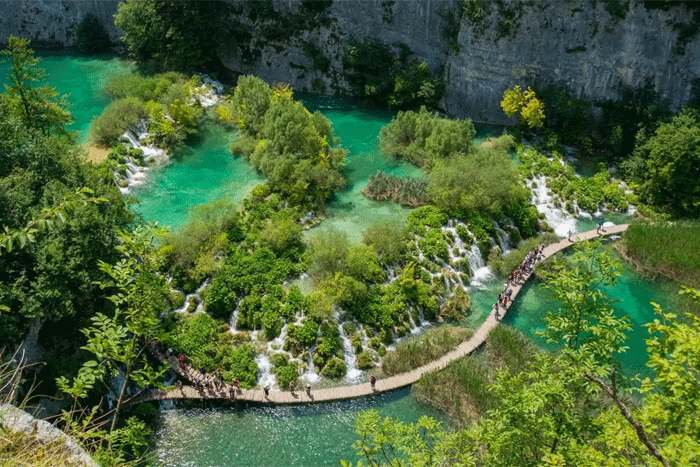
(39, 107)
(91, 35)
(118, 342)
(172, 34)
(672, 157)
(526, 103)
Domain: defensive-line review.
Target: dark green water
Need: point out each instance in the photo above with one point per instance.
(203, 171)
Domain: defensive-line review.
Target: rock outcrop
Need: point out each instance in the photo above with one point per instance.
(592, 47)
(52, 23)
(15, 420)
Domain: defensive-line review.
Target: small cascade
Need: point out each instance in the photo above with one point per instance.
(234, 316)
(392, 274)
(503, 239)
(276, 344)
(168, 404)
(265, 376)
(310, 375)
(353, 375)
(480, 272)
(195, 295)
(561, 221)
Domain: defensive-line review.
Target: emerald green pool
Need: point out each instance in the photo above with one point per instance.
(204, 170)
(313, 435)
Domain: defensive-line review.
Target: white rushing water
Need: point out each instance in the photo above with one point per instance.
(196, 296)
(561, 221)
(310, 375)
(354, 374)
(234, 316)
(265, 376)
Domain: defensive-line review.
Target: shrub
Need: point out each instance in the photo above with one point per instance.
(118, 117)
(287, 374)
(335, 368)
(364, 360)
(177, 299)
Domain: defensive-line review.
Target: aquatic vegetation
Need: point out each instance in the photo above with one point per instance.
(414, 353)
(405, 191)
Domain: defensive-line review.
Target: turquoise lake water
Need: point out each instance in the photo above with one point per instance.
(204, 170)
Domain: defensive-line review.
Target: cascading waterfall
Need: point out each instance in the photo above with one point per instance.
(353, 375)
(561, 221)
(503, 238)
(196, 295)
(265, 376)
(234, 316)
(310, 375)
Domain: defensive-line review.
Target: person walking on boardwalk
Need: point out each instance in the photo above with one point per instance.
(266, 390)
(373, 381)
(600, 226)
(308, 390)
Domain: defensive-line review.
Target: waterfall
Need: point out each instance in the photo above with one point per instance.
(480, 272)
(353, 375)
(561, 221)
(310, 375)
(234, 316)
(503, 238)
(265, 376)
(195, 294)
(278, 341)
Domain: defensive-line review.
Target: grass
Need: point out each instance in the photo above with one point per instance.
(461, 389)
(668, 250)
(19, 450)
(415, 353)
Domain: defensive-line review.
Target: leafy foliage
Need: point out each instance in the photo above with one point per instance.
(672, 157)
(172, 34)
(296, 150)
(405, 191)
(91, 35)
(377, 74)
(526, 104)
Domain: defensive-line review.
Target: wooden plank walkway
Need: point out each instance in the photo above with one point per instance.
(358, 390)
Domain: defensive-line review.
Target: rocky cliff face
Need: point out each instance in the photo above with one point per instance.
(52, 23)
(587, 45)
(569, 43)
(578, 44)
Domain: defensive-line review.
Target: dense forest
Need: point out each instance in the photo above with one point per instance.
(75, 260)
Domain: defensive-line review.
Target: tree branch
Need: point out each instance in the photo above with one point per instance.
(611, 390)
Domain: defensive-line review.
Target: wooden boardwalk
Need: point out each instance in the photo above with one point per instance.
(357, 390)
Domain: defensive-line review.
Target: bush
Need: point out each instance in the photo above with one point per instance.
(177, 299)
(364, 360)
(118, 117)
(287, 374)
(335, 368)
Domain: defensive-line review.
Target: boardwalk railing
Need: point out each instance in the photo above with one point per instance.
(356, 390)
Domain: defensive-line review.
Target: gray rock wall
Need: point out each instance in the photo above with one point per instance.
(53, 22)
(574, 45)
(552, 41)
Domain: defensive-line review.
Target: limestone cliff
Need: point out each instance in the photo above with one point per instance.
(591, 46)
(585, 45)
(52, 23)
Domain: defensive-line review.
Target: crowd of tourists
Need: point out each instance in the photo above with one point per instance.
(212, 383)
(517, 278)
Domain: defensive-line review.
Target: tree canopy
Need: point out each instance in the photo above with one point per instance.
(672, 157)
(526, 104)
